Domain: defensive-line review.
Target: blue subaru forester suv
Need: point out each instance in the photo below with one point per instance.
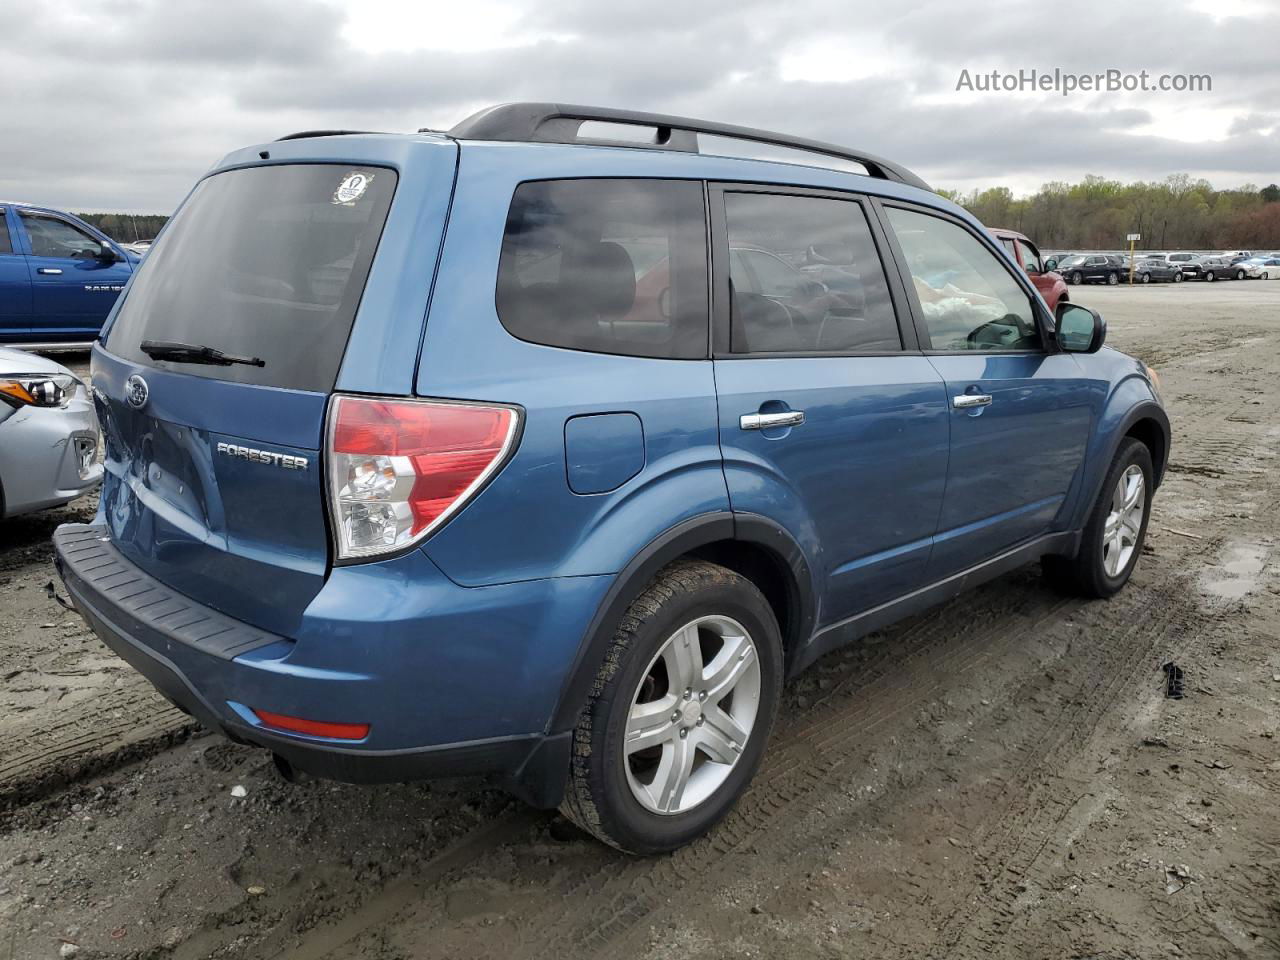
(547, 448)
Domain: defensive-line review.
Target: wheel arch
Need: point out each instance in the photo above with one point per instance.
(755, 547)
(1144, 420)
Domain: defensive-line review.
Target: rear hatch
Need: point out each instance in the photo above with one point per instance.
(214, 467)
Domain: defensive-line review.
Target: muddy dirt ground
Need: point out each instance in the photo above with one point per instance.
(1002, 777)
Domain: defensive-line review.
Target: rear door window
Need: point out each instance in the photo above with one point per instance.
(805, 277)
(263, 262)
(608, 266)
(5, 245)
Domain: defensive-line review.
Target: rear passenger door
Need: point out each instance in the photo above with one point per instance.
(1020, 411)
(829, 423)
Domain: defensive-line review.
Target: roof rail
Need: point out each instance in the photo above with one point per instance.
(309, 134)
(560, 122)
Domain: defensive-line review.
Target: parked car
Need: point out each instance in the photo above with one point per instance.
(505, 515)
(1234, 256)
(1052, 260)
(1220, 268)
(1026, 255)
(1093, 268)
(1148, 271)
(48, 435)
(59, 277)
(140, 247)
(1262, 268)
(1188, 263)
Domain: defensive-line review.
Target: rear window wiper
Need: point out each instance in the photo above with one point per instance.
(194, 353)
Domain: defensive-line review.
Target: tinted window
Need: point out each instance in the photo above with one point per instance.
(610, 266)
(969, 299)
(805, 277)
(266, 262)
(5, 245)
(52, 237)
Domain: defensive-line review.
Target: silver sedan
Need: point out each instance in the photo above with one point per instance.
(48, 434)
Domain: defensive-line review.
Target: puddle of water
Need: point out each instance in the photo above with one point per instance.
(1239, 572)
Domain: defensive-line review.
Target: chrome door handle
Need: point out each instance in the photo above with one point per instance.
(762, 421)
(49, 271)
(967, 400)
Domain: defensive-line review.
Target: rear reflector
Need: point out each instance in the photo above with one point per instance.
(398, 469)
(313, 728)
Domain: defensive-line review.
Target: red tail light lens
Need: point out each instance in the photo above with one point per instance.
(313, 728)
(398, 469)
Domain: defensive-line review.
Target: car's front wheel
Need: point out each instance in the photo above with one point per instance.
(1077, 278)
(1146, 278)
(1115, 530)
(1210, 277)
(678, 717)
(1239, 274)
(1112, 279)
(1177, 277)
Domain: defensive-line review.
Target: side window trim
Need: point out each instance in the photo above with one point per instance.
(1044, 324)
(719, 238)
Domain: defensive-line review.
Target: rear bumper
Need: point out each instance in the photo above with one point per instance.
(210, 666)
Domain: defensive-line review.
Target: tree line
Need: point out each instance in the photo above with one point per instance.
(1096, 214)
(126, 227)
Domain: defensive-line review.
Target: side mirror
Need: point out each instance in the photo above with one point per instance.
(107, 255)
(1050, 264)
(1079, 329)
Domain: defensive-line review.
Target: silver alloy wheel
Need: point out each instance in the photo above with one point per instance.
(692, 715)
(1124, 522)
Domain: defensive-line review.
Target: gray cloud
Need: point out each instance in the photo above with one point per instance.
(123, 106)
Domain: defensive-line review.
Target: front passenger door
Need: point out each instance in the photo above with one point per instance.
(1020, 412)
(75, 277)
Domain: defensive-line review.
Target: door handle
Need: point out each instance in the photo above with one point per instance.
(49, 271)
(762, 421)
(967, 400)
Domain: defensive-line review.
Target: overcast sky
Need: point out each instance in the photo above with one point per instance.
(122, 105)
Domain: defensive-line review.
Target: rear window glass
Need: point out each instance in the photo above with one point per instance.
(609, 266)
(5, 245)
(264, 262)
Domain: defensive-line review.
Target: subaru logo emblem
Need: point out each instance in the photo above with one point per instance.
(136, 392)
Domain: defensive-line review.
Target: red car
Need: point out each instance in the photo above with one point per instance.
(1051, 285)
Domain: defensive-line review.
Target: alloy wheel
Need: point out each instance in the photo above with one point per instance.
(1124, 521)
(692, 715)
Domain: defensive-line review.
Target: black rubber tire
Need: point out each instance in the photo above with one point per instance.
(1084, 574)
(1146, 278)
(1239, 274)
(1076, 278)
(1112, 279)
(1177, 277)
(1210, 277)
(598, 798)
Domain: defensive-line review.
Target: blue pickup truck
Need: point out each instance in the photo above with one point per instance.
(59, 277)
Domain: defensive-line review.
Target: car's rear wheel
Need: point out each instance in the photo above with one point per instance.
(1177, 277)
(1210, 277)
(1077, 277)
(1115, 530)
(678, 717)
(1146, 278)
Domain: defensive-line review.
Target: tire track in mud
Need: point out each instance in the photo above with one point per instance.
(123, 724)
(607, 900)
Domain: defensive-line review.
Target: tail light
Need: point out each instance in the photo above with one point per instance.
(398, 469)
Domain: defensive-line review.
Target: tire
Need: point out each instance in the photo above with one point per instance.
(1177, 277)
(1077, 278)
(1210, 277)
(1146, 278)
(1112, 279)
(1239, 274)
(607, 794)
(1088, 572)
